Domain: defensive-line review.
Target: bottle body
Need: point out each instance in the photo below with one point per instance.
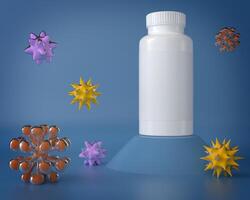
(166, 83)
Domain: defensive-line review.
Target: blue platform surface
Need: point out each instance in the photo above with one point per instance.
(79, 182)
(160, 156)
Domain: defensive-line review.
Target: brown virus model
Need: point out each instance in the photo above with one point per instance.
(227, 39)
(38, 141)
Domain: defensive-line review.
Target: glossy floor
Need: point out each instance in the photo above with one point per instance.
(79, 182)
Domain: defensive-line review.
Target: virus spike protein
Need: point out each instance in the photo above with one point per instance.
(37, 167)
(221, 157)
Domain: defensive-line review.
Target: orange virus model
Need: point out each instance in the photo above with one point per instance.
(38, 141)
(227, 39)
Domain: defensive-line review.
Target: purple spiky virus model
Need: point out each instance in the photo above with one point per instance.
(40, 47)
(93, 153)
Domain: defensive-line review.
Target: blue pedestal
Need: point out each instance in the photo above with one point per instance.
(160, 155)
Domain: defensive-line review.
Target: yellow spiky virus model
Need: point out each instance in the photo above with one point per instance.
(221, 157)
(84, 93)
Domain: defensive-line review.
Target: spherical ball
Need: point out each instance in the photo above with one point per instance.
(24, 146)
(61, 145)
(26, 129)
(45, 146)
(53, 130)
(14, 164)
(37, 131)
(25, 177)
(37, 179)
(24, 166)
(60, 165)
(44, 166)
(14, 144)
(53, 177)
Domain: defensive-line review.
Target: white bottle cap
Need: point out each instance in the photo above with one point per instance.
(166, 18)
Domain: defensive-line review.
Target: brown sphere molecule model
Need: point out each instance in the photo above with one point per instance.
(39, 166)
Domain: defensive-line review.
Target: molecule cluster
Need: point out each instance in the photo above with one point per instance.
(40, 47)
(38, 141)
(227, 39)
(221, 157)
(93, 153)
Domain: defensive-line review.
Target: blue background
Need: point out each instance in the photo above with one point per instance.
(99, 39)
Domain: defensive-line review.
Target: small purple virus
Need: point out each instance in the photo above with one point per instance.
(93, 153)
(40, 47)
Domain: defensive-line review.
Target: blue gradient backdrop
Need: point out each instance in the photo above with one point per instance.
(99, 39)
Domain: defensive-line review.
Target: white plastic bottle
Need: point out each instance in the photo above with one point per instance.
(166, 77)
